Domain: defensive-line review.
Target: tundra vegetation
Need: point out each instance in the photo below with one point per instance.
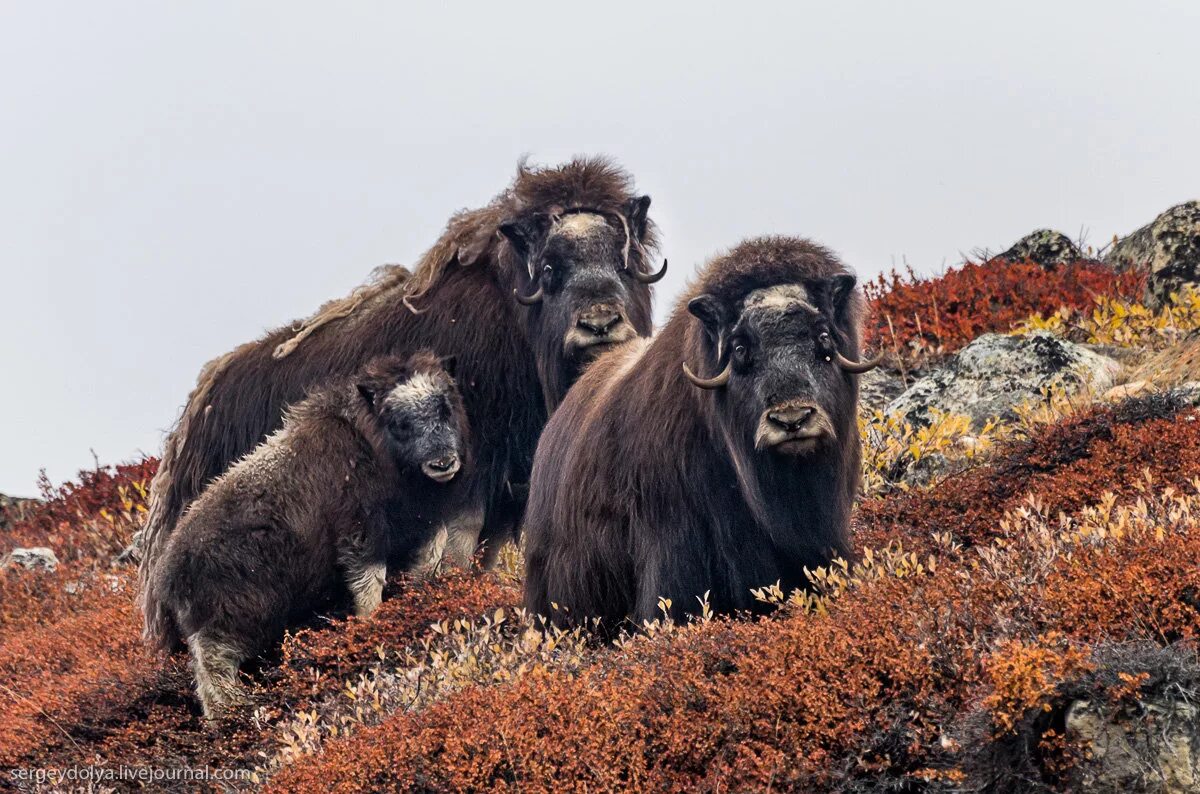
(1047, 579)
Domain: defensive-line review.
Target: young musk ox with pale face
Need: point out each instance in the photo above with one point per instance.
(354, 483)
(522, 291)
(651, 481)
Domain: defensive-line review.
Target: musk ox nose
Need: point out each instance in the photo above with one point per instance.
(443, 469)
(791, 419)
(599, 321)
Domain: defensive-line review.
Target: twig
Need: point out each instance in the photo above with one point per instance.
(42, 711)
(896, 350)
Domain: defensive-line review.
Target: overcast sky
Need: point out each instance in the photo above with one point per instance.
(177, 177)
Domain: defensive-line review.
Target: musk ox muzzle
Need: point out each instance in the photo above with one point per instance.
(442, 469)
(796, 427)
(598, 326)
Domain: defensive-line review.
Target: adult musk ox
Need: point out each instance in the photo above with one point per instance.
(522, 292)
(652, 481)
(355, 482)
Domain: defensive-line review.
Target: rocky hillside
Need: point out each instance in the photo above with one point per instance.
(1021, 613)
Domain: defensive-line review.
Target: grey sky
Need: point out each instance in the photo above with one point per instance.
(175, 178)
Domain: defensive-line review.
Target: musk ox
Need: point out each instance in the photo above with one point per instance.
(524, 291)
(651, 481)
(353, 484)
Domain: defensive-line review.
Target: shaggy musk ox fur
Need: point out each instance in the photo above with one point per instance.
(570, 241)
(354, 483)
(654, 481)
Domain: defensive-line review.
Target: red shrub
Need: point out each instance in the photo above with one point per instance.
(944, 313)
(1068, 466)
(864, 696)
(316, 660)
(91, 519)
(58, 674)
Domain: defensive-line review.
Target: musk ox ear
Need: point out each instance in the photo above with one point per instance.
(524, 234)
(840, 289)
(707, 309)
(636, 210)
(450, 364)
(367, 392)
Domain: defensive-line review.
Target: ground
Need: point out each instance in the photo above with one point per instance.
(1004, 623)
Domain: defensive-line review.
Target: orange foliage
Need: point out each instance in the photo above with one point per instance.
(867, 694)
(91, 519)
(915, 316)
(1068, 465)
(900, 680)
(61, 673)
(1025, 676)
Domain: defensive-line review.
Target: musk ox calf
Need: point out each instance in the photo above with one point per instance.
(651, 481)
(355, 482)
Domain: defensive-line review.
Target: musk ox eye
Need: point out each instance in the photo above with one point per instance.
(547, 271)
(824, 338)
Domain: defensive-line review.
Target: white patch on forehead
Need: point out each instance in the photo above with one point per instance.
(412, 391)
(779, 296)
(579, 224)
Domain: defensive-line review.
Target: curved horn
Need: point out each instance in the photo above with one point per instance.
(408, 305)
(650, 278)
(858, 367)
(530, 300)
(715, 382)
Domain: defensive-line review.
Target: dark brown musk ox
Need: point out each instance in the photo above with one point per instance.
(354, 484)
(651, 481)
(522, 291)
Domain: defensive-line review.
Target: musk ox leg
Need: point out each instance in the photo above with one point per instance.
(462, 539)
(215, 664)
(366, 586)
(428, 559)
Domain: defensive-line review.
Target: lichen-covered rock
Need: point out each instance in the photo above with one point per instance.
(12, 509)
(877, 388)
(1156, 750)
(1046, 247)
(996, 373)
(1168, 248)
(38, 558)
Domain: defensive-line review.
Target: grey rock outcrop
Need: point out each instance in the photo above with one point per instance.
(1158, 751)
(38, 558)
(1046, 247)
(996, 373)
(1168, 248)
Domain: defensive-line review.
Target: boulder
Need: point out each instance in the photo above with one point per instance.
(1046, 247)
(877, 388)
(1156, 750)
(1168, 248)
(38, 558)
(12, 509)
(996, 373)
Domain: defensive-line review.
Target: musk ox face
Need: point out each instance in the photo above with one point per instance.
(785, 382)
(422, 419)
(587, 287)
